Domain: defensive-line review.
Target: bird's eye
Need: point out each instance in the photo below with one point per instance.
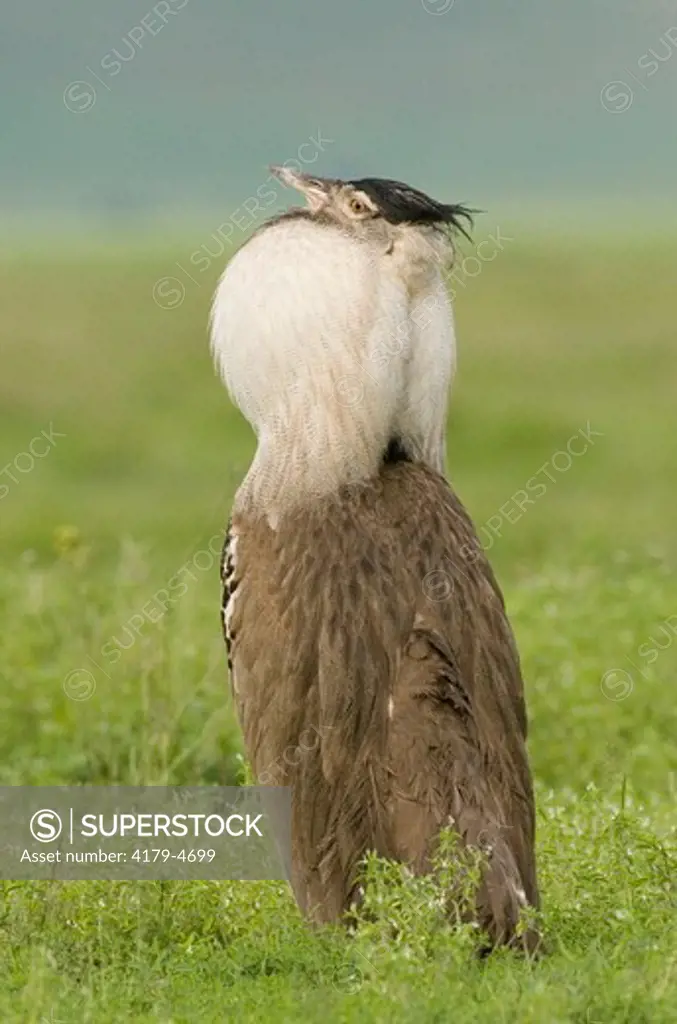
(357, 206)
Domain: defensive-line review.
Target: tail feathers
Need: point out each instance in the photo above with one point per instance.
(503, 896)
(358, 822)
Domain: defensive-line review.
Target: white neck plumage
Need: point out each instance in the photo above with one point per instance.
(330, 351)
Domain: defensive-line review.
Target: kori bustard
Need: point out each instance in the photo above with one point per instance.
(358, 606)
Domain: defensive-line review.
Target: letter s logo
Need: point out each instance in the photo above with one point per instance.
(45, 826)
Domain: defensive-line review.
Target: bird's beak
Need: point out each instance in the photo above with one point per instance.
(315, 190)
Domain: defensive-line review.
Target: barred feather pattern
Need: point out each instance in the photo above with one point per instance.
(229, 583)
(371, 621)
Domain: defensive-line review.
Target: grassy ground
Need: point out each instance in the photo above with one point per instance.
(558, 341)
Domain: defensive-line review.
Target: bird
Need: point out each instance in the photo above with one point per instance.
(359, 608)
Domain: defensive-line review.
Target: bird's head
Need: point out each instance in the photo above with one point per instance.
(402, 219)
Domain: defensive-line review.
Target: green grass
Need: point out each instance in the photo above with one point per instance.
(556, 337)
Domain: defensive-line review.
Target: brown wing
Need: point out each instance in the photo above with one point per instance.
(458, 726)
(376, 672)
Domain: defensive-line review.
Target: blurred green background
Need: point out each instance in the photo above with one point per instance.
(135, 115)
(104, 680)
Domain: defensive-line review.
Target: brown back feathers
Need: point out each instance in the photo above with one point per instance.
(375, 671)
